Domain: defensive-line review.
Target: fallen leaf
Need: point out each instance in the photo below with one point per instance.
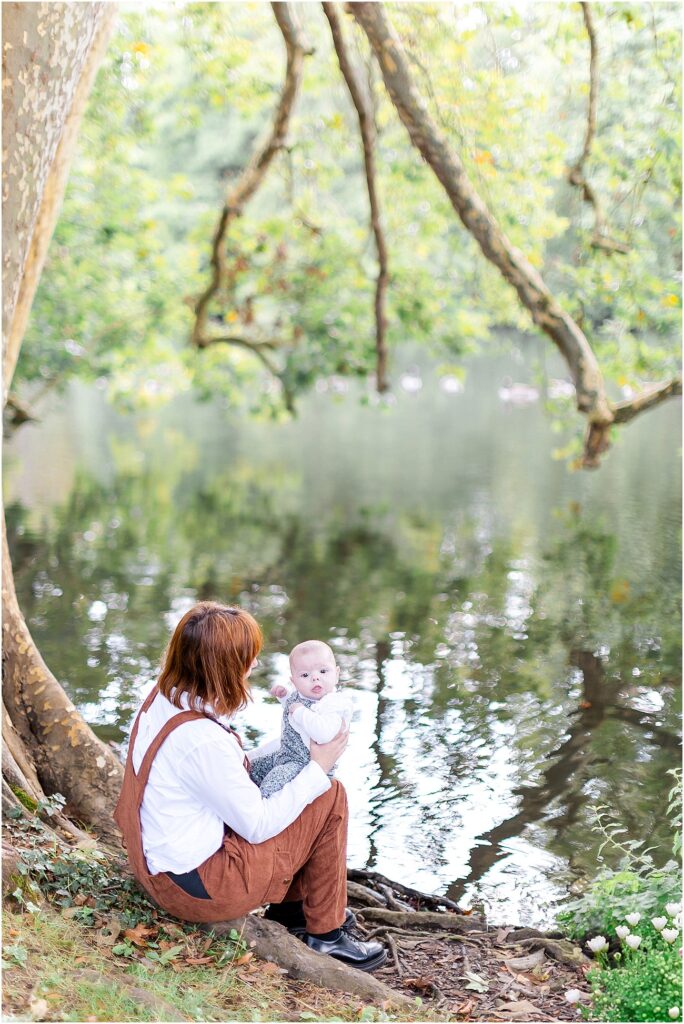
(267, 967)
(502, 933)
(521, 1010)
(39, 1009)
(425, 984)
(13, 933)
(140, 934)
(475, 982)
(109, 933)
(195, 961)
(526, 963)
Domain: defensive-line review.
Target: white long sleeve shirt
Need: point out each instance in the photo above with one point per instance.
(197, 782)
(323, 720)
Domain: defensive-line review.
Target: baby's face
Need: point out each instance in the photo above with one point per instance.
(314, 673)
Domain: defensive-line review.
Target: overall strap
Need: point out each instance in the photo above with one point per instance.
(134, 731)
(231, 730)
(143, 772)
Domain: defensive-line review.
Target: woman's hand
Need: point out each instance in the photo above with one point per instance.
(326, 754)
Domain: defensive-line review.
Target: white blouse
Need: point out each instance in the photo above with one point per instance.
(197, 782)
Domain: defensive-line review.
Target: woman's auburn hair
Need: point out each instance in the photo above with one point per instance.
(208, 658)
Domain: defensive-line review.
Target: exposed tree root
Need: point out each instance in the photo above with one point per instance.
(424, 919)
(272, 942)
(373, 878)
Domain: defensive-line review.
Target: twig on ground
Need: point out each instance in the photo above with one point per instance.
(395, 955)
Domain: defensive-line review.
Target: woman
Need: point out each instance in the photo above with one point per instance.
(200, 838)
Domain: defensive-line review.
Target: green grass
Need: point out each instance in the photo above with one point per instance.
(55, 971)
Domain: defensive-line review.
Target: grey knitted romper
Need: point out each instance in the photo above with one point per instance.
(272, 771)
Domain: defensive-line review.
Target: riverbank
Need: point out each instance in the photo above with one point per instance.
(82, 942)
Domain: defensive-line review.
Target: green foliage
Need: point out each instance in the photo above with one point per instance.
(635, 884)
(13, 955)
(641, 984)
(644, 986)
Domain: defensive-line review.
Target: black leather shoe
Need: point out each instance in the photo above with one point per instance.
(367, 956)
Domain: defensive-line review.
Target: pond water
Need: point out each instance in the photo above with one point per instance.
(510, 630)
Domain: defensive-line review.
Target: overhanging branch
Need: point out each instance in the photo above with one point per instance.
(368, 139)
(255, 172)
(626, 411)
(576, 175)
(546, 312)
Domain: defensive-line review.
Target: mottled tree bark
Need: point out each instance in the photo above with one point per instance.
(545, 311)
(51, 54)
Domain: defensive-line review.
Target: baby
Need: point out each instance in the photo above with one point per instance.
(312, 710)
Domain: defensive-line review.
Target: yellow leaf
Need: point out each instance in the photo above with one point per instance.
(140, 48)
(619, 591)
(670, 300)
(231, 317)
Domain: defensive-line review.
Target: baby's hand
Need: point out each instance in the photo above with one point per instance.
(278, 690)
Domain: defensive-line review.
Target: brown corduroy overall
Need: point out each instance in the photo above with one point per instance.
(306, 861)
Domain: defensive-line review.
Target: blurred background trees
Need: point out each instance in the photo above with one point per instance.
(184, 95)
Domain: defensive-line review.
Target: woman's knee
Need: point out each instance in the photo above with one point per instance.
(339, 795)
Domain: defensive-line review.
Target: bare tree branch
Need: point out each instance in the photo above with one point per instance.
(626, 411)
(255, 172)
(576, 175)
(368, 138)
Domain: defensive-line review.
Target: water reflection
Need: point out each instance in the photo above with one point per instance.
(510, 633)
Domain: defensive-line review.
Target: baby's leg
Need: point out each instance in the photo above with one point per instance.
(279, 776)
(260, 767)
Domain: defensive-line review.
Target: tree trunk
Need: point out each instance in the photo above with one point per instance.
(51, 55)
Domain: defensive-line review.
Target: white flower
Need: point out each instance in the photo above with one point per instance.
(633, 941)
(622, 930)
(633, 919)
(673, 908)
(673, 1012)
(658, 923)
(573, 995)
(669, 934)
(598, 944)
